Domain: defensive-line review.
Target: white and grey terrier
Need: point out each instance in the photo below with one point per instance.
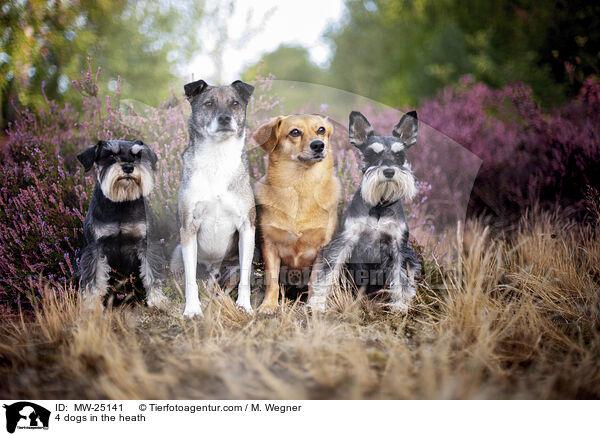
(216, 203)
(119, 225)
(372, 242)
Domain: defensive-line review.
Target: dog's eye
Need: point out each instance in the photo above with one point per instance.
(321, 131)
(208, 103)
(295, 133)
(235, 103)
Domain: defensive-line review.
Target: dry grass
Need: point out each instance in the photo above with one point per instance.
(513, 319)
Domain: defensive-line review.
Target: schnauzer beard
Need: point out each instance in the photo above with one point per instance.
(118, 186)
(376, 188)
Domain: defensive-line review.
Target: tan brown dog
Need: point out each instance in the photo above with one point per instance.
(297, 198)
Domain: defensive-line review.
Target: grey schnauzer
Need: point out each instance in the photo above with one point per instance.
(119, 225)
(372, 242)
(216, 204)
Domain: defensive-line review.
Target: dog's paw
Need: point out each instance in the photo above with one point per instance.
(157, 299)
(192, 310)
(268, 308)
(317, 304)
(401, 298)
(245, 305)
(91, 302)
(400, 306)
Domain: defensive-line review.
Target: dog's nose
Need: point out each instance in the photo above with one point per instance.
(389, 173)
(127, 168)
(317, 146)
(224, 120)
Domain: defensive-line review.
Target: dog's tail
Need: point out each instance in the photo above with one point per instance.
(176, 264)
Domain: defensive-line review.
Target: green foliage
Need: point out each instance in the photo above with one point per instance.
(399, 52)
(287, 62)
(143, 44)
(44, 42)
(290, 63)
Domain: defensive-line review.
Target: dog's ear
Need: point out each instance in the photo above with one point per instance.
(267, 135)
(243, 89)
(406, 129)
(152, 157)
(88, 156)
(359, 129)
(194, 88)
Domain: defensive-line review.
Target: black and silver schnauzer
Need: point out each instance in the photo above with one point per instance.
(118, 227)
(372, 242)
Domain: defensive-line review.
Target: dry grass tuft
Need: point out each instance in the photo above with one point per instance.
(511, 319)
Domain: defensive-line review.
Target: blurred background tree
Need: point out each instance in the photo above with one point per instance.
(289, 62)
(399, 51)
(48, 41)
(402, 51)
(394, 51)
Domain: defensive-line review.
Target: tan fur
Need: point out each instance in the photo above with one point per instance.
(297, 200)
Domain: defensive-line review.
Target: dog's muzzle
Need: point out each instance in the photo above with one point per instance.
(127, 174)
(317, 146)
(224, 122)
(127, 181)
(127, 168)
(318, 152)
(387, 184)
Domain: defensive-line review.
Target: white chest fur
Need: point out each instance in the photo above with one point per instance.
(372, 225)
(215, 208)
(212, 168)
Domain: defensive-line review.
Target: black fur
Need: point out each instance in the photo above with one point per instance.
(108, 234)
(371, 245)
(374, 255)
(194, 88)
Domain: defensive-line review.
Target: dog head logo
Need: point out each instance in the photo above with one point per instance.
(387, 175)
(125, 168)
(26, 415)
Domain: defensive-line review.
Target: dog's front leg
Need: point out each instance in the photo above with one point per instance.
(327, 269)
(317, 287)
(246, 252)
(272, 265)
(189, 251)
(94, 276)
(152, 273)
(402, 290)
